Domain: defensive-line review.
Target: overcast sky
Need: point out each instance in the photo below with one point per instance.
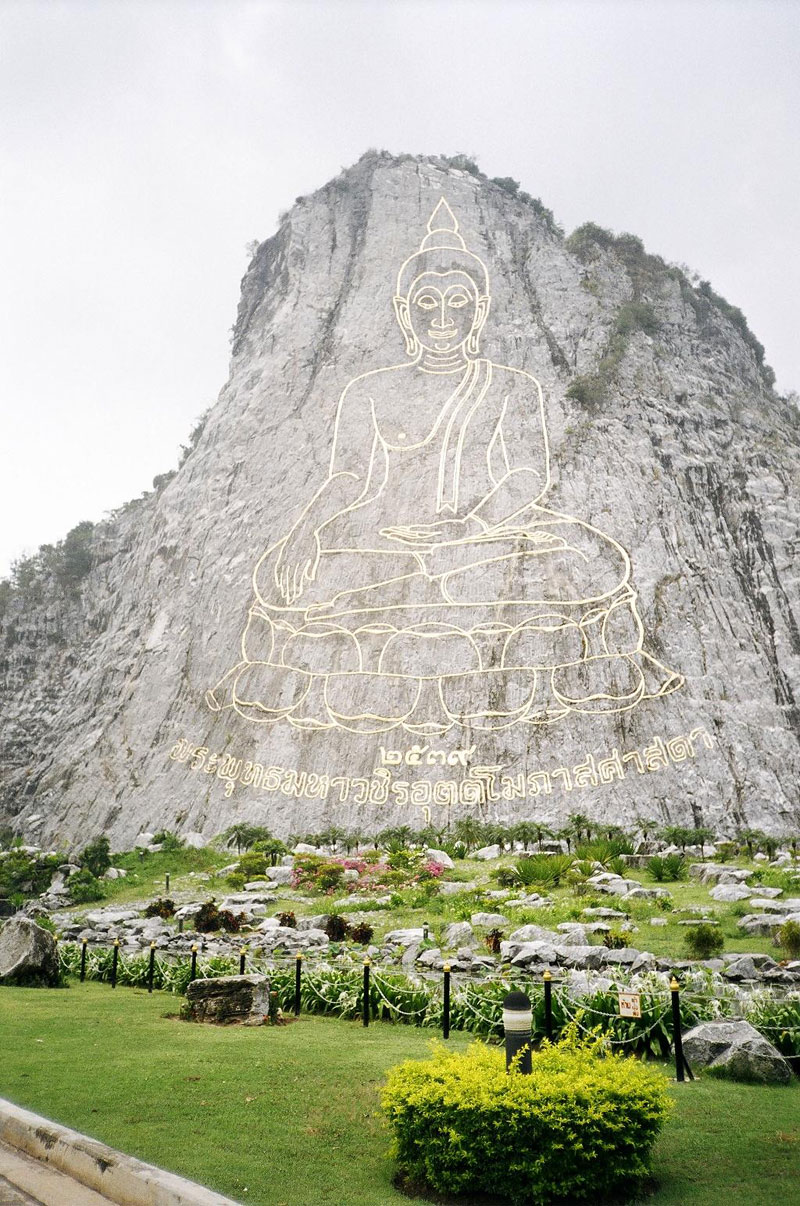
(143, 145)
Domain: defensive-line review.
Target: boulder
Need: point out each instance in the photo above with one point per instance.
(647, 894)
(459, 933)
(730, 892)
(404, 937)
(195, 841)
(454, 888)
(767, 905)
(534, 933)
(144, 839)
(749, 967)
(602, 911)
(439, 856)
(488, 852)
(283, 875)
(491, 921)
(760, 923)
(229, 999)
(521, 954)
(304, 848)
(736, 1050)
(28, 953)
(769, 893)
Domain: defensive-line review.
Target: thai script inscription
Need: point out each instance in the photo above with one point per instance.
(481, 785)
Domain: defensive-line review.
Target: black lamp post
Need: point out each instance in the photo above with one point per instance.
(518, 1026)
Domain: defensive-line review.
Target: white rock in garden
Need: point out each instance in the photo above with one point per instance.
(144, 839)
(439, 856)
(106, 917)
(28, 953)
(195, 841)
(317, 922)
(534, 933)
(488, 852)
(602, 911)
(730, 892)
(772, 893)
(182, 914)
(269, 923)
(489, 920)
(312, 937)
(574, 936)
(350, 874)
(641, 893)
(620, 887)
(658, 921)
(404, 937)
(577, 956)
(767, 905)
(760, 923)
(454, 888)
(736, 1049)
(282, 875)
(734, 875)
(304, 848)
(760, 858)
(458, 933)
(523, 953)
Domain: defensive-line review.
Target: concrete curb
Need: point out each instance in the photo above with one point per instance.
(120, 1178)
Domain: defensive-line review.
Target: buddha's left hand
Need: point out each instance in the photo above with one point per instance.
(448, 531)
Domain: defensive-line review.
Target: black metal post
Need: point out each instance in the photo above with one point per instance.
(366, 991)
(518, 1024)
(242, 960)
(193, 974)
(446, 1003)
(166, 882)
(114, 962)
(677, 1038)
(547, 976)
(298, 972)
(83, 958)
(151, 970)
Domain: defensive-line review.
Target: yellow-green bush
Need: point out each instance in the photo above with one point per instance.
(579, 1128)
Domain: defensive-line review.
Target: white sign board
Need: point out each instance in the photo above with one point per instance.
(630, 1005)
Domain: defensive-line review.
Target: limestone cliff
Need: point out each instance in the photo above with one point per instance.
(665, 438)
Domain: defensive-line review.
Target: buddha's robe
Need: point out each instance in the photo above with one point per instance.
(393, 631)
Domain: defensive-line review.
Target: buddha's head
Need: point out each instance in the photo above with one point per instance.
(442, 295)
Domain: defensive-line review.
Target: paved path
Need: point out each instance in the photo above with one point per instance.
(27, 1182)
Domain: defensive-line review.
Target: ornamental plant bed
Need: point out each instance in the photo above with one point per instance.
(579, 1128)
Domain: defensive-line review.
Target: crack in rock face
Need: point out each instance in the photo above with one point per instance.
(485, 522)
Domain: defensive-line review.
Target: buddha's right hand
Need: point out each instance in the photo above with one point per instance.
(297, 564)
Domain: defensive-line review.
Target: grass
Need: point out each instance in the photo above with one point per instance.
(289, 1115)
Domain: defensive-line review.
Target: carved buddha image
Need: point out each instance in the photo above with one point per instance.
(426, 585)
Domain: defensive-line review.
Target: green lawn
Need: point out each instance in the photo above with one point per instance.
(288, 1116)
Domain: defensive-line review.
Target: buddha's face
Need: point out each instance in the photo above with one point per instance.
(442, 313)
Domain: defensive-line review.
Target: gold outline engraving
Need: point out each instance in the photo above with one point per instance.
(425, 585)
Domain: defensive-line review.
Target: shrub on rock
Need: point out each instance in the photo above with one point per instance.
(580, 1127)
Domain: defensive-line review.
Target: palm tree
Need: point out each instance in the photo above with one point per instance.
(469, 831)
(241, 835)
(581, 826)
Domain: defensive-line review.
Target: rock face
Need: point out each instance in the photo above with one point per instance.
(606, 623)
(28, 954)
(229, 999)
(736, 1050)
